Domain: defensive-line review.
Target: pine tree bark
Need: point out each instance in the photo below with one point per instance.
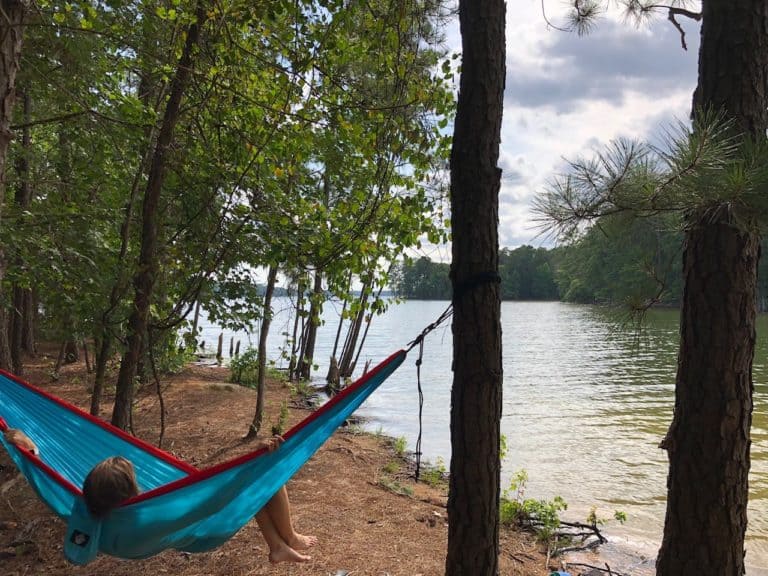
(709, 439)
(11, 38)
(144, 280)
(473, 500)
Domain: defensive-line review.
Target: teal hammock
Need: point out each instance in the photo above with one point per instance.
(180, 506)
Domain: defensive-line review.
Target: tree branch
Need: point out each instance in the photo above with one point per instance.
(52, 120)
(544, 15)
(681, 12)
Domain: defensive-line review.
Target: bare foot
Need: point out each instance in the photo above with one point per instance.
(302, 542)
(287, 554)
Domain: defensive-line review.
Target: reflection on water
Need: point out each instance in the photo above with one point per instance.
(586, 402)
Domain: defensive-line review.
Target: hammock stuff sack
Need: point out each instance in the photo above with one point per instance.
(180, 506)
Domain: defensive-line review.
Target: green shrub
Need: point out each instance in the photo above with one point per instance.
(282, 420)
(244, 368)
(399, 445)
(396, 487)
(594, 520)
(541, 515)
(169, 357)
(303, 389)
(435, 475)
(503, 448)
(391, 467)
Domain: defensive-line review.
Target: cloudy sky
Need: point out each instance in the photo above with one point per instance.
(568, 95)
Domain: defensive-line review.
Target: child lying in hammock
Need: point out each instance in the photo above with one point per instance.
(114, 480)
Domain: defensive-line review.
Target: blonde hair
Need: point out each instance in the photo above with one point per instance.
(108, 484)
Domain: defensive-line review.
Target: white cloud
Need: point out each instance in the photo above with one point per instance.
(567, 96)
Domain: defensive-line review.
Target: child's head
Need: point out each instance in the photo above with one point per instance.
(109, 483)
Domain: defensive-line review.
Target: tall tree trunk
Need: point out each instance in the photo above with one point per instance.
(11, 37)
(144, 280)
(346, 364)
(473, 498)
(196, 324)
(368, 320)
(102, 353)
(29, 343)
(315, 309)
(295, 344)
(266, 320)
(23, 199)
(709, 438)
(333, 371)
(6, 362)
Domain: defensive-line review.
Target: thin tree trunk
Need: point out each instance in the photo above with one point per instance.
(23, 198)
(266, 320)
(368, 320)
(302, 347)
(60, 360)
(473, 499)
(29, 343)
(333, 370)
(196, 323)
(144, 280)
(709, 438)
(6, 362)
(294, 343)
(105, 336)
(87, 357)
(103, 352)
(347, 356)
(315, 309)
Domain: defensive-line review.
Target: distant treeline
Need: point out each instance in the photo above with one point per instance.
(617, 261)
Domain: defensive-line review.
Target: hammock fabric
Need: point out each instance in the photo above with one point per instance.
(180, 506)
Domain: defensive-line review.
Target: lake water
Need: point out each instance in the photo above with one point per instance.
(586, 402)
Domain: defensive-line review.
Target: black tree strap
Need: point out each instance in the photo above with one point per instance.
(420, 341)
(421, 408)
(461, 288)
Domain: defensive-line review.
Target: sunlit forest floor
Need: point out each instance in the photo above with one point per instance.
(346, 494)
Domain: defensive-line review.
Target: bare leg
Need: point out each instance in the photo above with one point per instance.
(279, 550)
(279, 510)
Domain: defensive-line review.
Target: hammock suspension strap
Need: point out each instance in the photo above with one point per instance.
(447, 313)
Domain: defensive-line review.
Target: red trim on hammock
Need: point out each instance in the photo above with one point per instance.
(50, 471)
(204, 473)
(35, 459)
(154, 450)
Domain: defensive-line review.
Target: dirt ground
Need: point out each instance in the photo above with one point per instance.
(345, 495)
